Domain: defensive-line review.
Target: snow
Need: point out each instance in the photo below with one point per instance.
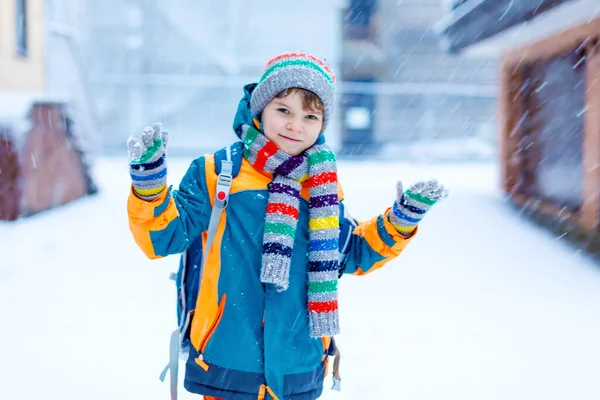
(441, 150)
(482, 304)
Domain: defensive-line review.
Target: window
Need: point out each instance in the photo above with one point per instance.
(21, 27)
(554, 130)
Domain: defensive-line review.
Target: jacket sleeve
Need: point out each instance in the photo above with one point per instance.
(367, 246)
(169, 223)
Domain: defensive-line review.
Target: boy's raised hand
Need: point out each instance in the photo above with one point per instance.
(147, 165)
(411, 206)
(154, 140)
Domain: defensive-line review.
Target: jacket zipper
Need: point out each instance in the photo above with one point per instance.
(200, 358)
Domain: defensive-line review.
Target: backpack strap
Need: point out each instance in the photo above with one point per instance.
(337, 380)
(224, 166)
(236, 154)
(220, 201)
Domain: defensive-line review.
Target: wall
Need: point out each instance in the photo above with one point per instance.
(17, 72)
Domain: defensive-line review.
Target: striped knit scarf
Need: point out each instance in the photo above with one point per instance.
(318, 166)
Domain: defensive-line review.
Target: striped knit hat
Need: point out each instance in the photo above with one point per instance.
(295, 70)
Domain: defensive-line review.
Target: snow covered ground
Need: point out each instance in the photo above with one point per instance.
(482, 305)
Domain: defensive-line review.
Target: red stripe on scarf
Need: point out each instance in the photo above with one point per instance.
(322, 306)
(268, 150)
(281, 208)
(322, 179)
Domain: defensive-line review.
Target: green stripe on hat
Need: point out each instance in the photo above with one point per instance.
(304, 63)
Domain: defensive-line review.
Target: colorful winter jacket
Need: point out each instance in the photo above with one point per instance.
(250, 341)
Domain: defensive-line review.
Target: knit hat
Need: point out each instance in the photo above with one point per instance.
(295, 70)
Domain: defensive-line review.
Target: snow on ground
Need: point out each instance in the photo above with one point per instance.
(482, 305)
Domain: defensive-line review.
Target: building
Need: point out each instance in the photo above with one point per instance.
(549, 104)
(22, 46)
(41, 162)
(184, 63)
(417, 97)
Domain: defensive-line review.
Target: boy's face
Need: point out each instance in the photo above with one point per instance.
(291, 127)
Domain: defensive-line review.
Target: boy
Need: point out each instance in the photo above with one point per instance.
(267, 304)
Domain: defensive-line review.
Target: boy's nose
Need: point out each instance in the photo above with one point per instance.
(293, 125)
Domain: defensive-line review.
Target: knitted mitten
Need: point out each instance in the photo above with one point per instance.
(410, 206)
(147, 165)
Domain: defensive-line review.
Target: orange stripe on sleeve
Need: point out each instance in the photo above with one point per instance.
(368, 230)
(142, 220)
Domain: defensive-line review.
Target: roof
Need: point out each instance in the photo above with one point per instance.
(477, 20)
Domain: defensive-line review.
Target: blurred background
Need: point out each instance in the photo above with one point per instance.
(499, 99)
(120, 65)
(419, 80)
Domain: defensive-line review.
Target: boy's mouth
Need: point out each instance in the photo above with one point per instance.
(290, 139)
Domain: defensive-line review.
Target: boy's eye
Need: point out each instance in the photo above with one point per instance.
(283, 110)
(314, 117)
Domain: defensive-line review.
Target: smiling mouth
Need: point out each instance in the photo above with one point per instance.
(289, 138)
